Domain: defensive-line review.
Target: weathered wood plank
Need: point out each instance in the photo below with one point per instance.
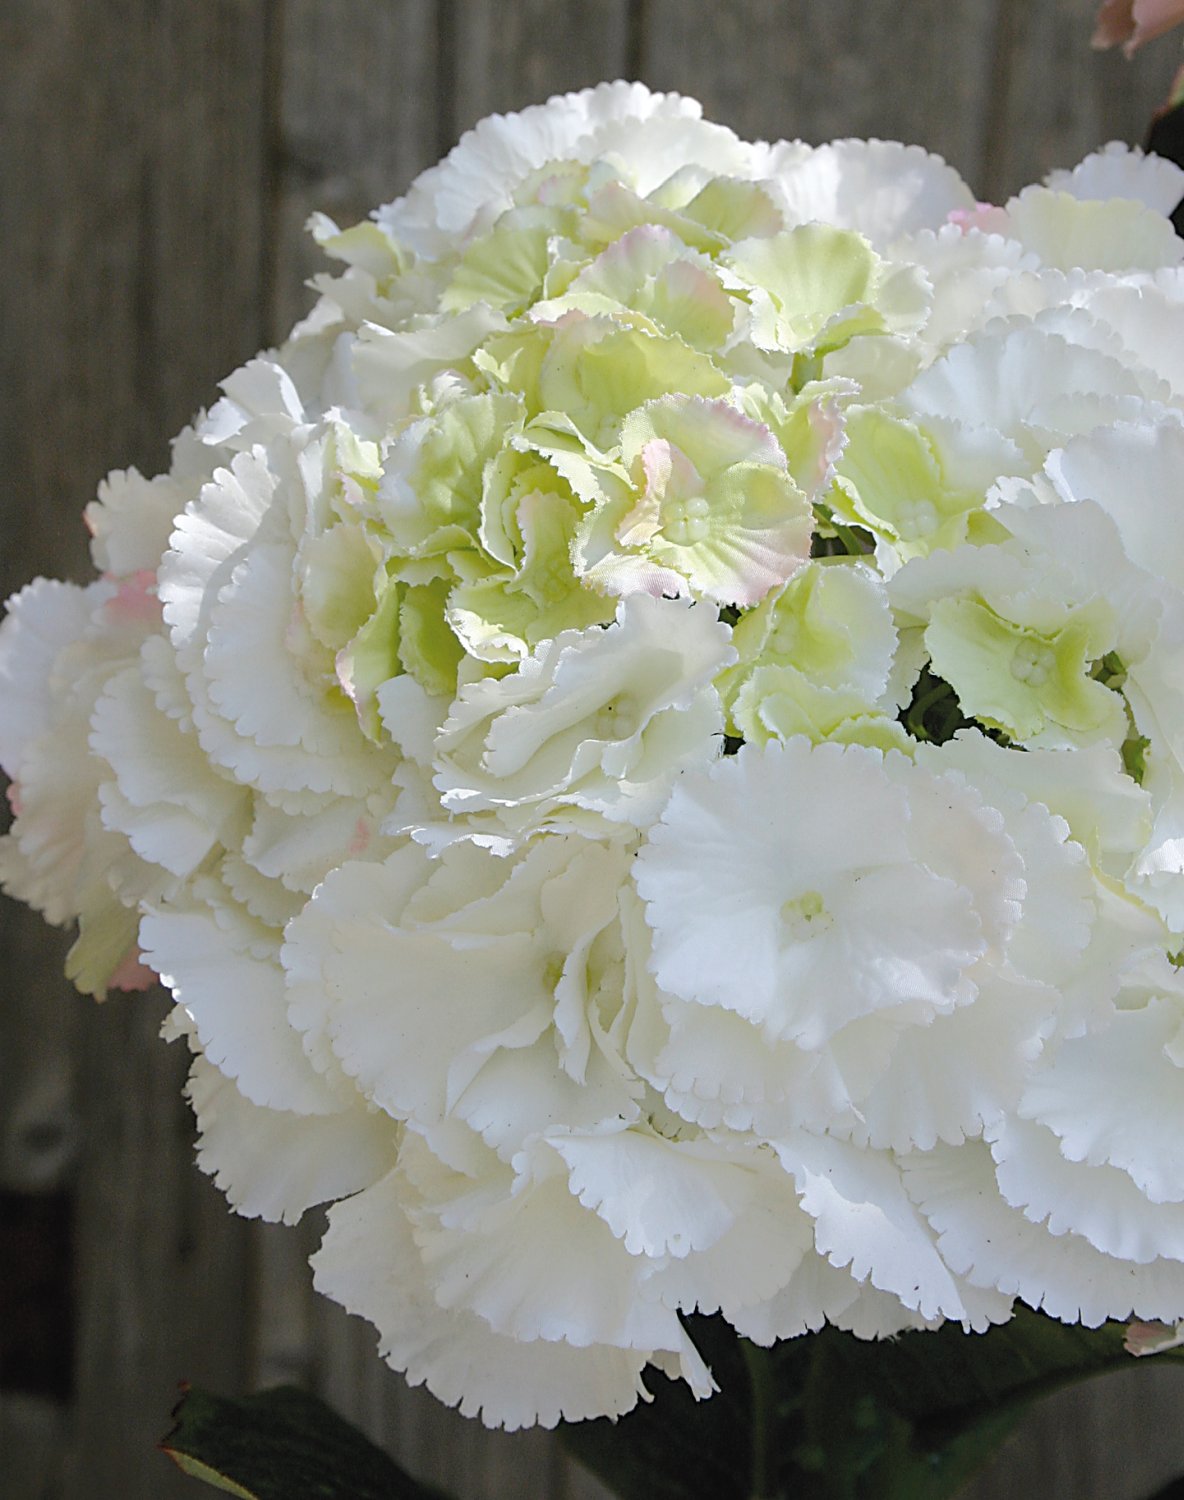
(777, 69)
(356, 119)
(31, 1431)
(1117, 1439)
(131, 154)
(162, 1289)
(1056, 99)
(505, 57)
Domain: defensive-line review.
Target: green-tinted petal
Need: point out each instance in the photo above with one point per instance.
(336, 580)
(777, 702)
(597, 372)
(893, 484)
(831, 622)
(815, 287)
(364, 245)
(371, 659)
(431, 497)
(506, 267)
(1030, 685)
(735, 209)
(650, 278)
(428, 648)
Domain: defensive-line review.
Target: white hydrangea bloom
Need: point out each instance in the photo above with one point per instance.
(647, 743)
(600, 721)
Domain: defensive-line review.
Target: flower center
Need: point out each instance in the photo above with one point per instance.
(1033, 662)
(684, 521)
(549, 582)
(617, 719)
(805, 917)
(917, 518)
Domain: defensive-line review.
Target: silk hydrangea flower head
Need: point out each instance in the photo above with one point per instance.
(647, 743)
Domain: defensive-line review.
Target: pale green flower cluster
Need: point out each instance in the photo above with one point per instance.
(647, 743)
(613, 393)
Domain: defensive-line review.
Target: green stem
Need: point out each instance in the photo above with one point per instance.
(764, 1396)
(915, 717)
(855, 548)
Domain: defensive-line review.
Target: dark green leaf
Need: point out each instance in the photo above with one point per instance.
(675, 1447)
(912, 1418)
(282, 1445)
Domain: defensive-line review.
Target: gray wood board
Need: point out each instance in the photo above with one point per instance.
(131, 166)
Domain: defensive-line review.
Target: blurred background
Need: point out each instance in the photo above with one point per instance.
(158, 159)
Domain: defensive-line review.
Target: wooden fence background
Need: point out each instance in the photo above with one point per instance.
(157, 161)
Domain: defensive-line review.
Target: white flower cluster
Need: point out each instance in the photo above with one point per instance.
(647, 742)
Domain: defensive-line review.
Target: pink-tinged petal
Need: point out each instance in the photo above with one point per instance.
(716, 508)
(987, 217)
(361, 839)
(1152, 1338)
(1153, 18)
(135, 599)
(132, 975)
(812, 464)
(1135, 22)
(1114, 24)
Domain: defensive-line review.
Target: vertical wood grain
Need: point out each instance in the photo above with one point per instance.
(131, 161)
(503, 57)
(776, 69)
(162, 1291)
(1119, 1438)
(356, 117)
(1054, 98)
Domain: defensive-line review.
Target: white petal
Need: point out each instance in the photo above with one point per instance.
(659, 1197)
(238, 1005)
(208, 540)
(864, 1220)
(1122, 171)
(273, 1164)
(131, 521)
(411, 1012)
(520, 1093)
(827, 914)
(166, 798)
(880, 188)
(1133, 472)
(994, 1245)
(1027, 384)
(43, 619)
(1119, 234)
(945, 1081)
(1110, 1098)
(369, 1262)
(389, 365)
(480, 174)
(535, 1264)
(1100, 1204)
(816, 1293)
